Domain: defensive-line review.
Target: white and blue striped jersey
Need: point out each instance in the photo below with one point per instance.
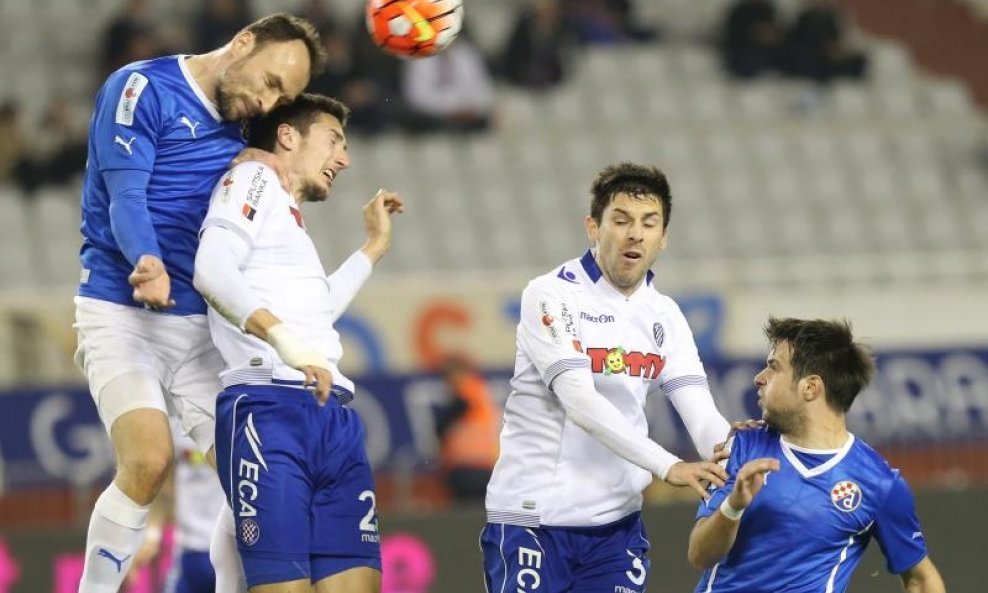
(550, 471)
(151, 124)
(808, 527)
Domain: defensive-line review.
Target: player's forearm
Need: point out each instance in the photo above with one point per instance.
(711, 539)
(130, 221)
(348, 279)
(703, 421)
(600, 419)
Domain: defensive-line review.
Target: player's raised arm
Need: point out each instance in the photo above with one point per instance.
(345, 282)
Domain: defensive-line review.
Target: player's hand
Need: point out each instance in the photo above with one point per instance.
(694, 474)
(749, 424)
(299, 355)
(320, 379)
(377, 222)
(151, 283)
(749, 481)
(271, 160)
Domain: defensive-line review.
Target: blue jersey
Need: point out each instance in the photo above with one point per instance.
(808, 527)
(152, 126)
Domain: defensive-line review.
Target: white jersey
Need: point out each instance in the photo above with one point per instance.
(284, 271)
(198, 496)
(550, 471)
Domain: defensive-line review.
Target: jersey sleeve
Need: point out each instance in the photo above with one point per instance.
(683, 368)
(242, 199)
(547, 331)
(127, 122)
(897, 529)
(738, 445)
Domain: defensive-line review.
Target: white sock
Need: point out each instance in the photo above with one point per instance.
(224, 555)
(116, 532)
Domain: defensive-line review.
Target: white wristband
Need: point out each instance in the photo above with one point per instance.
(730, 512)
(292, 349)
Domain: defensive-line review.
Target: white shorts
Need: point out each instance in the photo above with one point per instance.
(174, 353)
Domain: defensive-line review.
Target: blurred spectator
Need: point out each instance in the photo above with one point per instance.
(317, 13)
(56, 153)
(468, 432)
(12, 146)
(346, 79)
(219, 21)
(606, 22)
(129, 37)
(452, 91)
(816, 47)
(534, 56)
(752, 38)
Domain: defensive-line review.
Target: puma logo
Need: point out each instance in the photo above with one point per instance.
(104, 553)
(125, 144)
(190, 124)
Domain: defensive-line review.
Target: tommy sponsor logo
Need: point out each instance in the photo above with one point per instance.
(127, 103)
(611, 361)
(596, 318)
(104, 553)
(185, 121)
(846, 496)
(125, 143)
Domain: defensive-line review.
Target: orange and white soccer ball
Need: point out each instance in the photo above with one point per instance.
(414, 28)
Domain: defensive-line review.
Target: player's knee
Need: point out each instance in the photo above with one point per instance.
(144, 475)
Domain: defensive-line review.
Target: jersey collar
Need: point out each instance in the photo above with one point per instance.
(210, 107)
(838, 455)
(594, 273)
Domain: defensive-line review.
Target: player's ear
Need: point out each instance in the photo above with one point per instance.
(592, 229)
(287, 136)
(242, 44)
(812, 387)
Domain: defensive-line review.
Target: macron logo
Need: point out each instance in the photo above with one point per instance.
(104, 553)
(189, 124)
(917, 534)
(126, 145)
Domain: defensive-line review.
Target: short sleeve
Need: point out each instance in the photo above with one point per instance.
(739, 453)
(897, 529)
(547, 331)
(242, 199)
(683, 367)
(126, 123)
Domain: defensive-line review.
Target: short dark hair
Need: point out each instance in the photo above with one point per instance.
(825, 348)
(300, 114)
(634, 180)
(286, 27)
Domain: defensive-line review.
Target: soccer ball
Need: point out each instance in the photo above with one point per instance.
(414, 28)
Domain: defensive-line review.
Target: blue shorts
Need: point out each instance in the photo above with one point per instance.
(610, 558)
(297, 478)
(191, 572)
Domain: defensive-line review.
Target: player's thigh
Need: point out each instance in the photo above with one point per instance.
(619, 565)
(113, 347)
(524, 559)
(295, 586)
(361, 579)
(194, 386)
(344, 506)
(260, 460)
